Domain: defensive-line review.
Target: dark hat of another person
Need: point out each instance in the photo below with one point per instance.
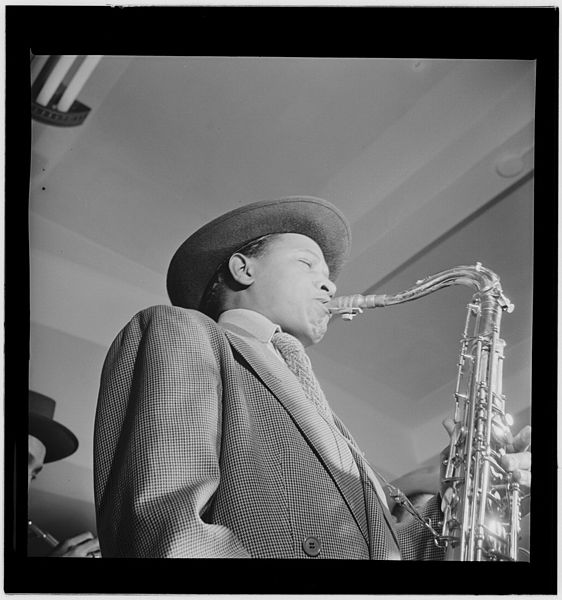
(197, 260)
(59, 441)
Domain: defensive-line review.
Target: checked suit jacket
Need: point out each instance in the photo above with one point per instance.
(205, 448)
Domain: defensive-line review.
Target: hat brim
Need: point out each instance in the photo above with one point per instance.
(197, 259)
(59, 441)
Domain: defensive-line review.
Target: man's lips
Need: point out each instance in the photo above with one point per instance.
(324, 304)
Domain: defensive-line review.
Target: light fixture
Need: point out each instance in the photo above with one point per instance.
(56, 81)
(510, 165)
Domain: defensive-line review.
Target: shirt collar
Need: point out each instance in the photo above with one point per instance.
(254, 323)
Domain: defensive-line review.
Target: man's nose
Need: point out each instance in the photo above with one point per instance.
(329, 286)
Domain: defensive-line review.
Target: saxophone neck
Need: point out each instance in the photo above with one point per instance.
(486, 283)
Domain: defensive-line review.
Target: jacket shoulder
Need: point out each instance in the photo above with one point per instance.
(171, 321)
(165, 312)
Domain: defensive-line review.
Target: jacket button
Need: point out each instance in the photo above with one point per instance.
(311, 546)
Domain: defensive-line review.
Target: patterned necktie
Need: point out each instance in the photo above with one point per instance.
(298, 362)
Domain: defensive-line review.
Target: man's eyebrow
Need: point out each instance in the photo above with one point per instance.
(310, 251)
(319, 257)
(37, 470)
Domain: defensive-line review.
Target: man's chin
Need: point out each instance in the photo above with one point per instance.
(310, 334)
(317, 333)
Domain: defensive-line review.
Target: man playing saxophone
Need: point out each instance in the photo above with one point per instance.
(213, 438)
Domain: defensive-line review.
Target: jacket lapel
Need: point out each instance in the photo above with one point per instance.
(283, 384)
(371, 493)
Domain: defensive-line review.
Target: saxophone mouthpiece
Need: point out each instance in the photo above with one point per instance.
(350, 306)
(345, 306)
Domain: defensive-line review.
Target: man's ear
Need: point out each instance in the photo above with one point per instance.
(241, 269)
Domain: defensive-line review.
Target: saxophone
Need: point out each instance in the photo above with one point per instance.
(481, 508)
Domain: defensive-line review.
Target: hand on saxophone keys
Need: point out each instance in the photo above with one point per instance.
(518, 457)
(516, 460)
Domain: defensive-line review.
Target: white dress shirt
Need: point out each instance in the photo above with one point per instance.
(252, 324)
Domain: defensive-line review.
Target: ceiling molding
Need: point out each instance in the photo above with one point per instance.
(49, 237)
(82, 301)
(429, 219)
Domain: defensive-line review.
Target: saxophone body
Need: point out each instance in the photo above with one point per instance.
(481, 516)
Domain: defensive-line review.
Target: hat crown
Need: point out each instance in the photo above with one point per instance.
(57, 439)
(41, 405)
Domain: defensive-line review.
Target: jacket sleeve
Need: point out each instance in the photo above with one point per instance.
(157, 439)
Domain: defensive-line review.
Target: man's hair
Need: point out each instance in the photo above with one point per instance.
(222, 280)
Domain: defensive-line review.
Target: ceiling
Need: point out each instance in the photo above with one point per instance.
(431, 161)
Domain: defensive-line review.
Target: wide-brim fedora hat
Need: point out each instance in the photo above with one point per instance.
(58, 440)
(197, 260)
